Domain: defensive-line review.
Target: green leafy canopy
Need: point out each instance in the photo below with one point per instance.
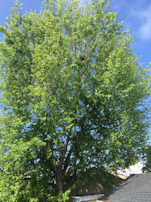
(73, 95)
(147, 167)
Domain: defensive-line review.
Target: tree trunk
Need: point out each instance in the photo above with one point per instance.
(59, 181)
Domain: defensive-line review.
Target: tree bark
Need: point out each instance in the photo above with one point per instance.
(59, 180)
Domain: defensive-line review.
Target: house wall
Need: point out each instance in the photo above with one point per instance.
(96, 185)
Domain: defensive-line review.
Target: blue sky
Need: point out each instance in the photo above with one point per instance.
(136, 15)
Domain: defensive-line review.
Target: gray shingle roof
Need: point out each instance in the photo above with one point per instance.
(136, 188)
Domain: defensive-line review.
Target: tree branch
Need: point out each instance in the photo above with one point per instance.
(70, 182)
(66, 164)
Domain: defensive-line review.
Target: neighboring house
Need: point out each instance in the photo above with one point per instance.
(136, 188)
(97, 184)
(91, 198)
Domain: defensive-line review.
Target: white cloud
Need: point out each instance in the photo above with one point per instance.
(136, 15)
(145, 31)
(142, 18)
(118, 4)
(145, 28)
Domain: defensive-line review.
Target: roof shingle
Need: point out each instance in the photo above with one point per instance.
(136, 188)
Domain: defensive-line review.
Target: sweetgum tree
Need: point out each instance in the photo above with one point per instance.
(73, 96)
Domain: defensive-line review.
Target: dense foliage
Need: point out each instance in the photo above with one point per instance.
(147, 167)
(73, 95)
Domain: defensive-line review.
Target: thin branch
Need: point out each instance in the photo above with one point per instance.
(67, 161)
(68, 138)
